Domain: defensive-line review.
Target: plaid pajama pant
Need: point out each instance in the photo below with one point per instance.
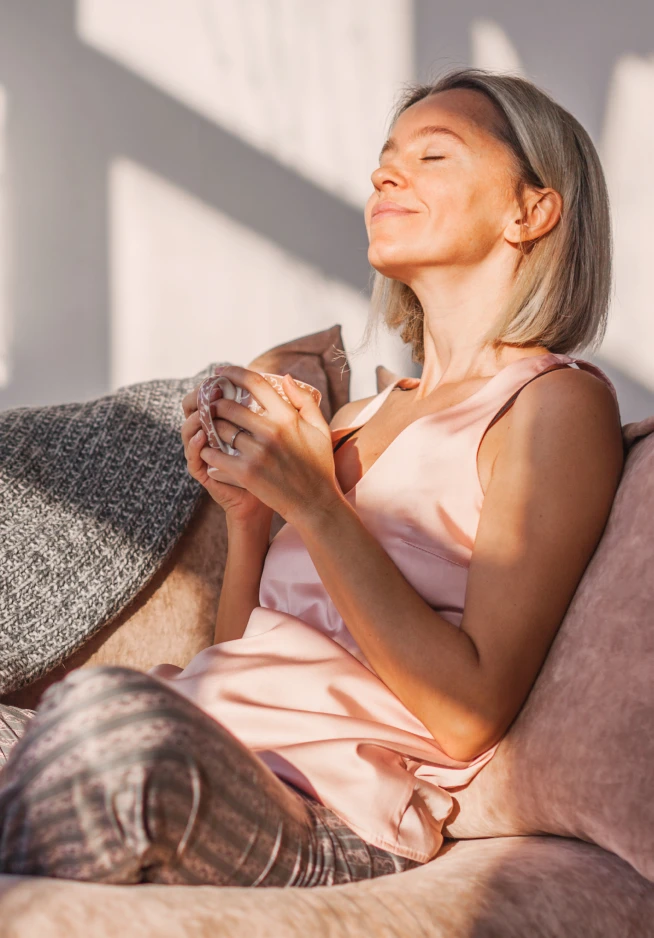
(117, 778)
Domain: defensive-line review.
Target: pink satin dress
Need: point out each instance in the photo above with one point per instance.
(298, 690)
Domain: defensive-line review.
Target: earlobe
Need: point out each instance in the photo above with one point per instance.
(517, 233)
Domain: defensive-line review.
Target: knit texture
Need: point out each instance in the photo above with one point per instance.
(93, 498)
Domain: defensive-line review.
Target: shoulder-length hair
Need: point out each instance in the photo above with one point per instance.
(561, 292)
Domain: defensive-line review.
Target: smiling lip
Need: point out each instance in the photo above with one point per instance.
(387, 208)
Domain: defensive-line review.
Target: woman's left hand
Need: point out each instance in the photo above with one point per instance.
(285, 456)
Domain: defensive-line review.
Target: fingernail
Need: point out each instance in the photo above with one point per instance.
(198, 435)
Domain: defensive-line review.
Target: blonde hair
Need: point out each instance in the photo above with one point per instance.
(562, 288)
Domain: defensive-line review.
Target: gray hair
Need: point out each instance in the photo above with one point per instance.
(561, 294)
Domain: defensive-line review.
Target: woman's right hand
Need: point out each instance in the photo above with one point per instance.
(240, 506)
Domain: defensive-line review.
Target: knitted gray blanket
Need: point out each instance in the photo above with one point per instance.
(93, 498)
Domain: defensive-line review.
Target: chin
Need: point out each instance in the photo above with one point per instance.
(388, 257)
(391, 264)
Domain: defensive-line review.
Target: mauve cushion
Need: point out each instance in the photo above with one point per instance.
(318, 359)
(514, 887)
(578, 760)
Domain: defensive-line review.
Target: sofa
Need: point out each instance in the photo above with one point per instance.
(553, 838)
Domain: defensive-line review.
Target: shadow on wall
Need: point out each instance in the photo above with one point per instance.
(84, 110)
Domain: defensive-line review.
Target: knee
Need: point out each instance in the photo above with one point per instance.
(104, 713)
(83, 684)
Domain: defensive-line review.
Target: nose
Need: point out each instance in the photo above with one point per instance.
(388, 175)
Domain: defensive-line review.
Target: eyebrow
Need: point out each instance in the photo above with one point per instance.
(391, 144)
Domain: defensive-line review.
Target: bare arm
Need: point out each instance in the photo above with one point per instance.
(247, 546)
(546, 507)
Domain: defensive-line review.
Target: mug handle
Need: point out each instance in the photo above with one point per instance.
(231, 392)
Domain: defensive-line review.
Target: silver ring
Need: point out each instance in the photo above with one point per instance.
(231, 442)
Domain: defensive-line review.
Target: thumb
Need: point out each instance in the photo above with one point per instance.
(304, 402)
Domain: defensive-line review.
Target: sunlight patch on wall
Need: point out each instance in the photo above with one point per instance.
(627, 153)
(5, 324)
(490, 47)
(311, 84)
(191, 286)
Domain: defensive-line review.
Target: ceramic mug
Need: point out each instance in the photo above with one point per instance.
(234, 392)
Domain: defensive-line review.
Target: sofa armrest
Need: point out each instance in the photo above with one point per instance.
(508, 887)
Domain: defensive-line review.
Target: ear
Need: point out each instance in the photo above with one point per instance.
(540, 212)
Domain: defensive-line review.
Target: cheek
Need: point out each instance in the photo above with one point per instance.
(407, 238)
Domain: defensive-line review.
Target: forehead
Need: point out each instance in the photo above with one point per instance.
(469, 113)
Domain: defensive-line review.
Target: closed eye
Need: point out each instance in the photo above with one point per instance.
(433, 157)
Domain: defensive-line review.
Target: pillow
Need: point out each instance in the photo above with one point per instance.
(319, 360)
(160, 606)
(578, 760)
(384, 377)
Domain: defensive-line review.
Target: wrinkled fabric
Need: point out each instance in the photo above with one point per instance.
(297, 688)
(118, 779)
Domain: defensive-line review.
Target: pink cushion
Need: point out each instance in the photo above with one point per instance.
(514, 887)
(578, 761)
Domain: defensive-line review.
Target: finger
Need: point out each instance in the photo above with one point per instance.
(261, 390)
(304, 401)
(216, 459)
(239, 416)
(190, 426)
(226, 430)
(190, 400)
(192, 452)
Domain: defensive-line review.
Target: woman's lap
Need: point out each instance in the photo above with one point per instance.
(117, 778)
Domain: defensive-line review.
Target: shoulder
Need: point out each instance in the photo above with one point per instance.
(569, 402)
(346, 415)
(568, 418)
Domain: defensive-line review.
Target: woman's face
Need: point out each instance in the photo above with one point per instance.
(457, 190)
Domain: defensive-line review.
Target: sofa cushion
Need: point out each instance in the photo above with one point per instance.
(501, 888)
(578, 760)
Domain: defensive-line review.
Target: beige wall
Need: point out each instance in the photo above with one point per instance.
(184, 180)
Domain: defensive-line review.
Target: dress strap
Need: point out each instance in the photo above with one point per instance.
(346, 437)
(597, 371)
(511, 400)
(579, 362)
(352, 432)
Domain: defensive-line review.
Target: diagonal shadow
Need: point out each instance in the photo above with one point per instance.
(73, 110)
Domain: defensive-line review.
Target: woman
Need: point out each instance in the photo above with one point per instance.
(448, 527)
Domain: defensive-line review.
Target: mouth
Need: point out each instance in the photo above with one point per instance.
(389, 207)
(389, 212)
